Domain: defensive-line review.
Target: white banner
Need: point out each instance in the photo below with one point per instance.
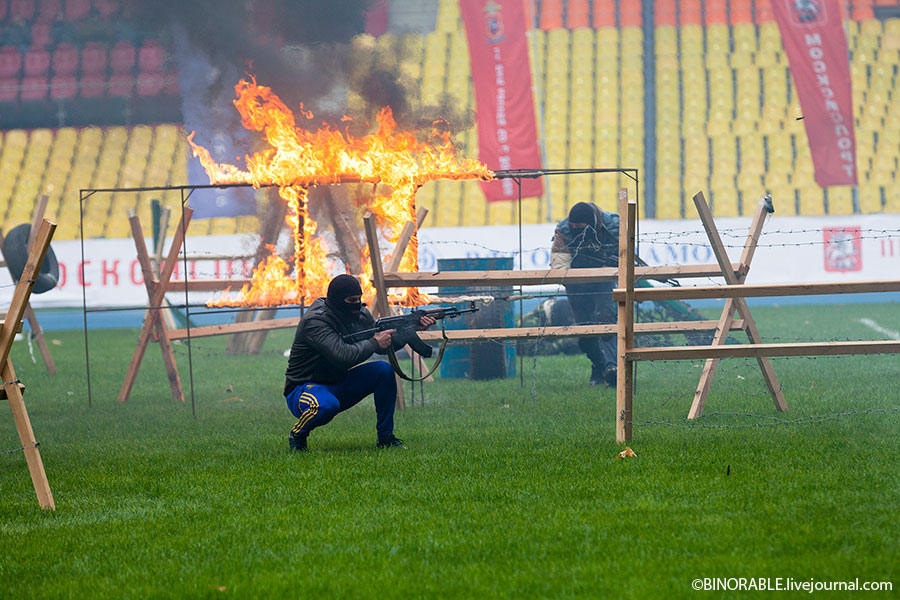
(791, 249)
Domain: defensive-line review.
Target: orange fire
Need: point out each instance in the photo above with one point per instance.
(298, 159)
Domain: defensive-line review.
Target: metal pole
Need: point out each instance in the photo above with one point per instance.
(87, 360)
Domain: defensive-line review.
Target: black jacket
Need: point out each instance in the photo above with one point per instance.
(319, 353)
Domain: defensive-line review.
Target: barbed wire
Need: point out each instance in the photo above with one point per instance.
(20, 448)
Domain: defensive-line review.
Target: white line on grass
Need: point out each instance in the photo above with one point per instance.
(894, 335)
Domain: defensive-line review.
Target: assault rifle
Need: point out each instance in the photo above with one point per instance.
(405, 326)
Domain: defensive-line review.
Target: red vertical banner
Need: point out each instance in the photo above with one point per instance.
(812, 33)
(498, 54)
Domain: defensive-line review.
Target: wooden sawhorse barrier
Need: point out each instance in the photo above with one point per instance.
(29, 312)
(158, 282)
(731, 272)
(735, 292)
(12, 388)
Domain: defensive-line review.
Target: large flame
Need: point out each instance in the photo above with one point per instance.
(298, 159)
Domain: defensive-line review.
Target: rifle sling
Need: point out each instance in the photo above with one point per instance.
(395, 364)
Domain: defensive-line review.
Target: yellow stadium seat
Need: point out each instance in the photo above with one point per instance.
(811, 200)
(666, 40)
(501, 213)
(691, 39)
(870, 199)
(723, 200)
(840, 200)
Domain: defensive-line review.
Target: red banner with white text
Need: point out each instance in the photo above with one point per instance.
(812, 33)
(498, 54)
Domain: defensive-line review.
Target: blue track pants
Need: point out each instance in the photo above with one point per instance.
(315, 404)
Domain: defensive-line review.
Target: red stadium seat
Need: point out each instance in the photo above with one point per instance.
(49, 10)
(92, 85)
(9, 89)
(34, 88)
(691, 12)
(93, 58)
(40, 36)
(604, 14)
(77, 9)
(37, 62)
(741, 11)
(107, 8)
(151, 57)
(121, 58)
(764, 12)
(630, 13)
(121, 85)
(150, 84)
(578, 15)
(716, 12)
(65, 59)
(10, 62)
(551, 14)
(63, 87)
(664, 12)
(21, 10)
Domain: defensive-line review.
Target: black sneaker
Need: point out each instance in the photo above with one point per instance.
(297, 442)
(611, 376)
(390, 441)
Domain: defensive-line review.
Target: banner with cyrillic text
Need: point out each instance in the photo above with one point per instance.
(498, 54)
(812, 33)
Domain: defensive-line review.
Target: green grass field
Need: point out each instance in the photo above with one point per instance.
(496, 496)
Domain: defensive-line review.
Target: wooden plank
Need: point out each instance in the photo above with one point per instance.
(230, 328)
(526, 333)
(36, 219)
(24, 286)
(23, 427)
(761, 290)
(709, 369)
(206, 285)
(35, 326)
(40, 339)
(625, 319)
(542, 277)
(381, 300)
(766, 350)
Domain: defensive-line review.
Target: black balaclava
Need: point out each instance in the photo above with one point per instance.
(341, 287)
(583, 213)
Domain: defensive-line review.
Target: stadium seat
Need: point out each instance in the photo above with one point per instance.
(551, 14)
(122, 57)
(151, 57)
(21, 10)
(41, 38)
(604, 15)
(77, 9)
(764, 13)
(63, 87)
(121, 86)
(92, 86)
(93, 59)
(150, 84)
(10, 63)
(64, 60)
(106, 8)
(690, 12)
(37, 62)
(578, 14)
(630, 14)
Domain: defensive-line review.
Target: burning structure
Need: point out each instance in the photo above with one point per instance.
(393, 162)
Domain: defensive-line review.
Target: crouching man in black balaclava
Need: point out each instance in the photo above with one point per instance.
(324, 375)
